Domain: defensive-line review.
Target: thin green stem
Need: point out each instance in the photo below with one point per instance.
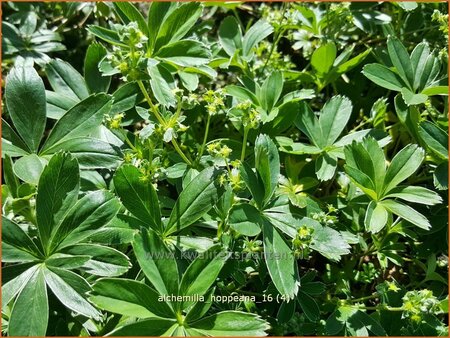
(180, 152)
(153, 108)
(373, 296)
(205, 137)
(161, 120)
(244, 143)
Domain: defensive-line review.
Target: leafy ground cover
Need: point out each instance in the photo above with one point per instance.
(224, 169)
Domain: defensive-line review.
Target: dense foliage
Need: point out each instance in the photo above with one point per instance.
(220, 169)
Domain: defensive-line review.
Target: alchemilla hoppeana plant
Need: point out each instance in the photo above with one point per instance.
(224, 169)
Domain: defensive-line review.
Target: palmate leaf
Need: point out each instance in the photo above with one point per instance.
(230, 35)
(138, 196)
(230, 323)
(267, 164)
(157, 262)
(280, 262)
(199, 196)
(25, 99)
(202, 272)
(58, 191)
(32, 304)
(129, 298)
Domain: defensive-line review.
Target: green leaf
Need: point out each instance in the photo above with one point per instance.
(65, 80)
(231, 323)
(68, 296)
(383, 76)
(25, 99)
(14, 236)
(416, 195)
(64, 261)
(80, 120)
(245, 219)
(401, 61)
(200, 195)
(403, 165)
(376, 217)
(90, 153)
(326, 165)
(93, 211)
(178, 23)
(31, 304)
(436, 90)
(129, 298)
(434, 138)
(105, 261)
(368, 157)
(328, 242)
(95, 81)
(156, 16)
(12, 144)
(308, 123)
(230, 35)
(162, 83)
(440, 176)
(412, 99)
(334, 117)
(271, 90)
(352, 63)
(107, 35)
(258, 32)
(419, 58)
(29, 168)
(362, 181)
(185, 53)
(157, 262)
(242, 94)
(11, 288)
(407, 213)
(149, 327)
(323, 58)
(137, 196)
(267, 164)
(132, 15)
(202, 272)
(309, 306)
(57, 192)
(253, 183)
(280, 262)
(58, 104)
(10, 179)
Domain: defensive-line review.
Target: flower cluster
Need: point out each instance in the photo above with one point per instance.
(416, 304)
(214, 101)
(301, 242)
(129, 61)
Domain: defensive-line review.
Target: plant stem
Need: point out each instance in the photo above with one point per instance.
(153, 108)
(161, 120)
(373, 296)
(244, 143)
(202, 149)
(180, 152)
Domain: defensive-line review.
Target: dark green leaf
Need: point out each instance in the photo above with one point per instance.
(157, 262)
(94, 79)
(200, 195)
(231, 323)
(65, 80)
(57, 193)
(245, 219)
(79, 121)
(25, 99)
(129, 298)
(29, 315)
(280, 262)
(230, 35)
(138, 196)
